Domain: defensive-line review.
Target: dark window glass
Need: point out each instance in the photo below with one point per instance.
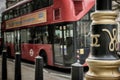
(5, 16)
(10, 14)
(42, 3)
(38, 35)
(83, 31)
(24, 35)
(15, 13)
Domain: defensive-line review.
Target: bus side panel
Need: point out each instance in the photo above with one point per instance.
(10, 49)
(48, 50)
(30, 51)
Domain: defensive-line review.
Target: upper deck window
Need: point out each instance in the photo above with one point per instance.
(41, 3)
(5, 16)
(11, 14)
(25, 8)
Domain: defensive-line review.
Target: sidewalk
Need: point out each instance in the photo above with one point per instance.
(28, 73)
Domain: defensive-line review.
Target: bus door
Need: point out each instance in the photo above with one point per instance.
(17, 40)
(63, 44)
(58, 52)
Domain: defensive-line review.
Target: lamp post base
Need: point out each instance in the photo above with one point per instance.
(103, 70)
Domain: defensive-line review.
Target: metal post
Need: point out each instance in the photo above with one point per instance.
(103, 61)
(4, 65)
(77, 71)
(17, 66)
(39, 68)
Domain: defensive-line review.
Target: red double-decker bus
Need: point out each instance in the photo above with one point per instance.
(57, 30)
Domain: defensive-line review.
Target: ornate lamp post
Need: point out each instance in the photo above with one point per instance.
(103, 61)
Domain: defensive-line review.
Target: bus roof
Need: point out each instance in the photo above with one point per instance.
(17, 4)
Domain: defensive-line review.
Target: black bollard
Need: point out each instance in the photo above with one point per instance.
(77, 71)
(39, 68)
(17, 66)
(4, 65)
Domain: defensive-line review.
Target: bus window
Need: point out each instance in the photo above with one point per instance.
(58, 35)
(68, 43)
(5, 38)
(31, 35)
(21, 10)
(45, 3)
(24, 9)
(14, 13)
(58, 48)
(10, 14)
(45, 38)
(8, 37)
(5, 16)
(42, 3)
(29, 7)
(63, 44)
(83, 31)
(17, 38)
(83, 36)
(28, 35)
(23, 36)
(38, 35)
(44, 34)
(50, 2)
(12, 37)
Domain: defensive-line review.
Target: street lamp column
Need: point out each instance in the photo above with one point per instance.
(103, 61)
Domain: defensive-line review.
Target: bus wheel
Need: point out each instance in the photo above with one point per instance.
(44, 56)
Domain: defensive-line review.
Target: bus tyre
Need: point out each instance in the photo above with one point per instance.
(44, 56)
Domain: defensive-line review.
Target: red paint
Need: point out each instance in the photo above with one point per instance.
(36, 48)
(11, 47)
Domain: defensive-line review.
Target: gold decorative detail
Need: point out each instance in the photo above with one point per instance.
(95, 37)
(113, 42)
(104, 17)
(103, 70)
